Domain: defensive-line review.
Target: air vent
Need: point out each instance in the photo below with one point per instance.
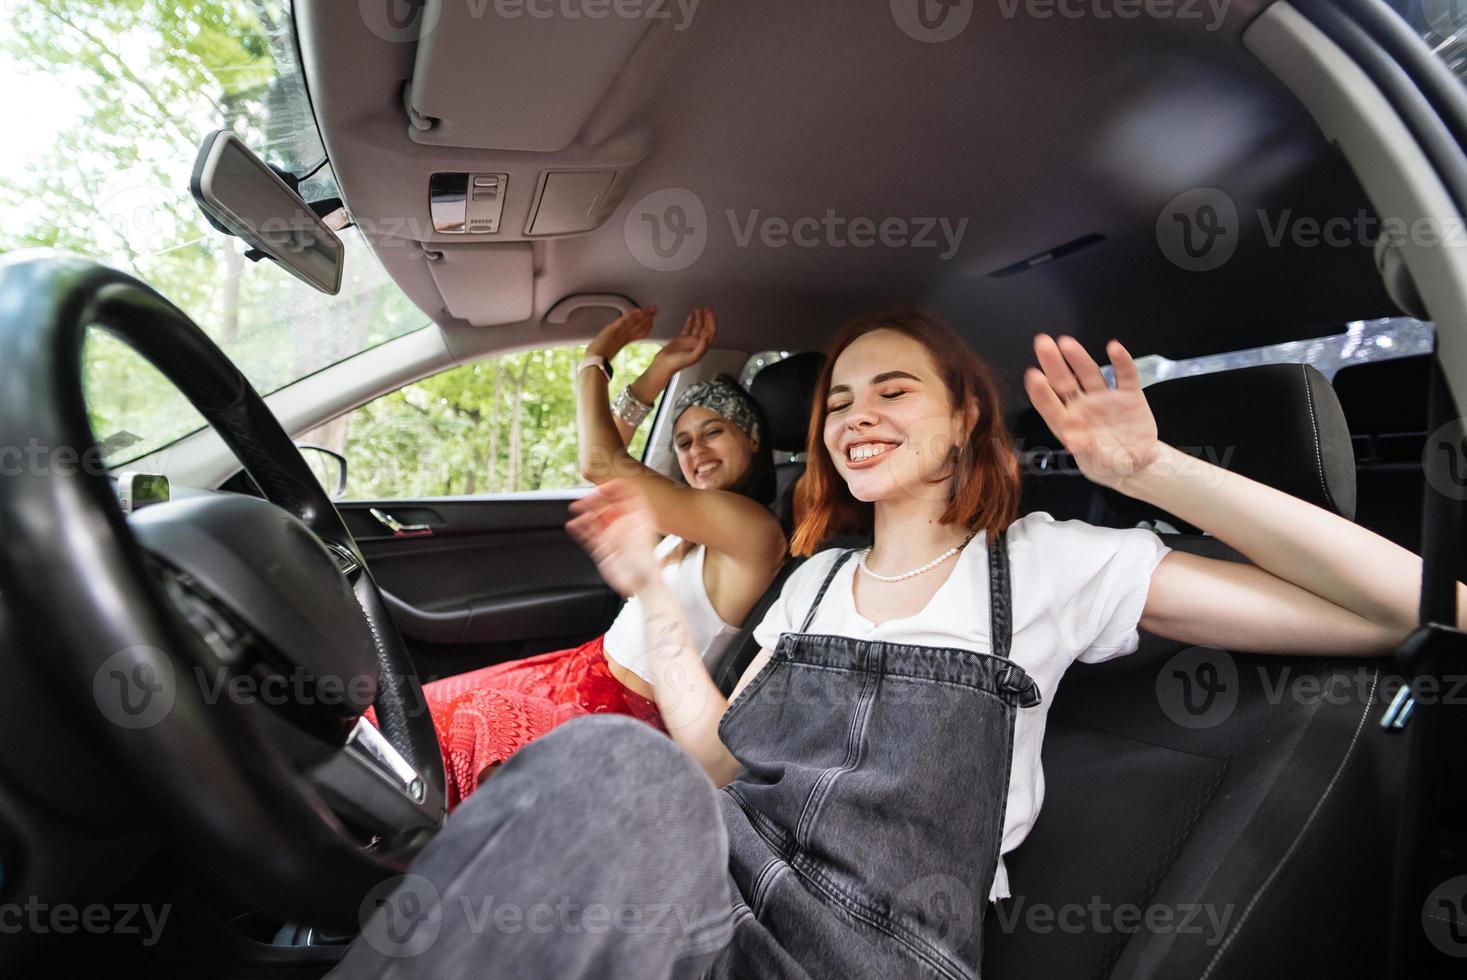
(1058, 252)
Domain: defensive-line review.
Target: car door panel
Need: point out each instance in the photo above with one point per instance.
(472, 581)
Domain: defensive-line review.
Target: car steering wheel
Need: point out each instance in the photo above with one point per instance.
(226, 646)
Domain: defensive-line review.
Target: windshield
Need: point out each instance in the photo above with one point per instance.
(113, 100)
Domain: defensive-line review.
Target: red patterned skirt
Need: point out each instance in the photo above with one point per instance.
(484, 716)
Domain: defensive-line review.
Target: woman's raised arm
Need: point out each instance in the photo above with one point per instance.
(726, 522)
(1318, 582)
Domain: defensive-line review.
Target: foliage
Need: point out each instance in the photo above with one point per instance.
(135, 85)
(498, 425)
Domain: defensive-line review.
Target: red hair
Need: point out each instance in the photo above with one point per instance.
(985, 491)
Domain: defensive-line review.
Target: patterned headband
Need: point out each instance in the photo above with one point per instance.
(722, 396)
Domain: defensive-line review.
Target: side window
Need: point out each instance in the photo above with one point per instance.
(506, 424)
(1363, 342)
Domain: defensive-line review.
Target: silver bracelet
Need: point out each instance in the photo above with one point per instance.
(628, 408)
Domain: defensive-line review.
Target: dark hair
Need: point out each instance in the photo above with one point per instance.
(985, 493)
(758, 480)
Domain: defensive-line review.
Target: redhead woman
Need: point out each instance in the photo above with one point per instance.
(888, 732)
(720, 549)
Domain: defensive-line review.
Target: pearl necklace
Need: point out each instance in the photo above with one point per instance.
(861, 563)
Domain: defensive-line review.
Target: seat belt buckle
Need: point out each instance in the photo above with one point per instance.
(1431, 645)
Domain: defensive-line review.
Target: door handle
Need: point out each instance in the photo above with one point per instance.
(398, 528)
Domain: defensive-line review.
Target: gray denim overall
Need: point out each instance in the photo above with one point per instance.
(864, 830)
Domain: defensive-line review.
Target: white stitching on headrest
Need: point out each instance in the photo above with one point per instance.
(1314, 431)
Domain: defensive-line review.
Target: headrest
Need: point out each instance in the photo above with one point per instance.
(785, 391)
(1279, 424)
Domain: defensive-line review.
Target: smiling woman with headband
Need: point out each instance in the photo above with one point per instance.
(720, 550)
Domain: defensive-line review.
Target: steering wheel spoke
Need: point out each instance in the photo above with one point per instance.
(373, 787)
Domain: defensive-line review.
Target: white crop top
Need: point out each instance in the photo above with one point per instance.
(625, 641)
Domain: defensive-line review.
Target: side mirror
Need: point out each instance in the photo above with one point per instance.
(242, 196)
(328, 465)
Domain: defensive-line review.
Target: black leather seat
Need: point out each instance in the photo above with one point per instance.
(784, 392)
(1238, 800)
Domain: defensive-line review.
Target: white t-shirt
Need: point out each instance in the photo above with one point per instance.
(1078, 591)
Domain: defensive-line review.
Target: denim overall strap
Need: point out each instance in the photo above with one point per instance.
(1000, 611)
(840, 560)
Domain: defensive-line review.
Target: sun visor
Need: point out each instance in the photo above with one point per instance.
(486, 285)
(513, 79)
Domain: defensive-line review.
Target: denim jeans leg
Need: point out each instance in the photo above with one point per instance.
(596, 851)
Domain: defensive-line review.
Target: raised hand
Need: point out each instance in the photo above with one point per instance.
(689, 346)
(1110, 431)
(614, 524)
(631, 326)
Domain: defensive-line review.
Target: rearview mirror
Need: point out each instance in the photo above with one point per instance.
(241, 195)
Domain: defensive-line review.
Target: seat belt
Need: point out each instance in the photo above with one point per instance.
(1434, 648)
